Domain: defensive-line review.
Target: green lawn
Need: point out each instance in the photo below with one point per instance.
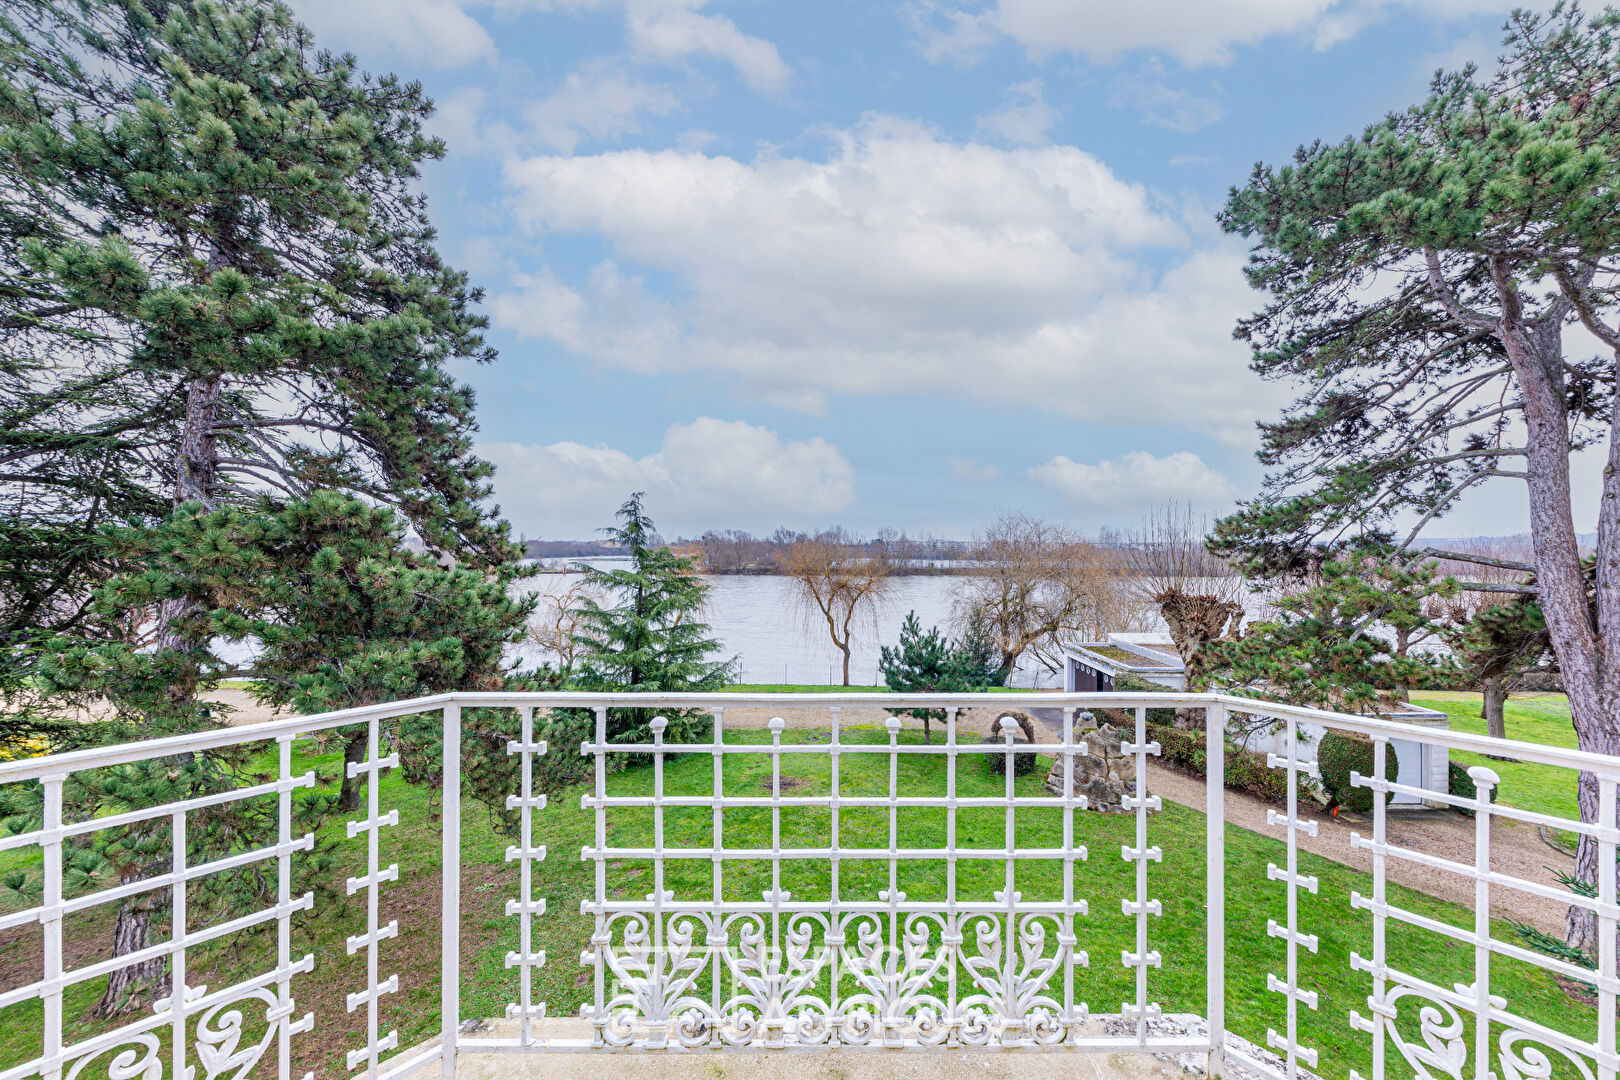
(1534, 718)
(1104, 879)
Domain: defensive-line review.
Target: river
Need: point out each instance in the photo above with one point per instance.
(759, 620)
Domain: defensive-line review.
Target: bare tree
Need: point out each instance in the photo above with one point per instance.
(840, 581)
(555, 624)
(1199, 596)
(1039, 583)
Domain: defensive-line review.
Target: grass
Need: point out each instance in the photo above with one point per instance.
(487, 881)
(1533, 718)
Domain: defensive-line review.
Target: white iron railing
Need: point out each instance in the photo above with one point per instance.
(709, 970)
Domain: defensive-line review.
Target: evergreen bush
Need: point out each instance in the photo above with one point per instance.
(1460, 784)
(996, 757)
(1337, 756)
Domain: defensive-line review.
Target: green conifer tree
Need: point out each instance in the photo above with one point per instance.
(932, 663)
(1420, 278)
(651, 638)
(221, 294)
(1341, 642)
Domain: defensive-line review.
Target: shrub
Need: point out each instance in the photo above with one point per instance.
(1460, 784)
(1246, 771)
(995, 757)
(1127, 683)
(1338, 755)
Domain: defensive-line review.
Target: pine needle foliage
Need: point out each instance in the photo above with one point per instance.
(931, 662)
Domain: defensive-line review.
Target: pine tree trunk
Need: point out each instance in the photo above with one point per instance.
(197, 474)
(355, 745)
(131, 929)
(196, 477)
(1588, 656)
(1495, 704)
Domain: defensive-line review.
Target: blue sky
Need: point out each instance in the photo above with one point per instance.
(910, 264)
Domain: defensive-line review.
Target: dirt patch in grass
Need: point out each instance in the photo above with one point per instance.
(22, 948)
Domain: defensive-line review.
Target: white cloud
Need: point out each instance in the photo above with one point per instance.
(672, 31)
(445, 34)
(1025, 119)
(598, 101)
(1173, 107)
(706, 474)
(601, 100)
(436, 32)
(1136, 481)
(903, 262)
(1195, 32)
(1478, 49)
(970, 471)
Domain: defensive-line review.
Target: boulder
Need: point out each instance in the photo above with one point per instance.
(1102, 774)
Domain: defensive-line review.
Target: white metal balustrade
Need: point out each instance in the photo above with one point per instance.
(708, 970)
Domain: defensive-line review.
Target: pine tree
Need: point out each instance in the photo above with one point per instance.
(650, 639)
(1342, 642)
(222, 218)
(220, 294)
(340, 611)
(932, 663)
(1420, 280)
(1495, 645)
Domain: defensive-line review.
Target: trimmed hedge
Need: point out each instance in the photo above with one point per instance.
(1460, 784)
(996, 755)
(1246, 771)
(1338, 755)
(1127, 683)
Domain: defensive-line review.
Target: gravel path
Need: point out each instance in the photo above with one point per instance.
(972, 723)
(1516, 848)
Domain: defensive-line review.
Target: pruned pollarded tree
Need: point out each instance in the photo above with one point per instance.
(840, 583)
(1199, 596)
(1037, 583)
(1423, 279)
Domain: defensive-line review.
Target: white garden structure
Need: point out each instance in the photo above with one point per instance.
(842, 971)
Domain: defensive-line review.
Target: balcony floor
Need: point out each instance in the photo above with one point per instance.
(971, 1064)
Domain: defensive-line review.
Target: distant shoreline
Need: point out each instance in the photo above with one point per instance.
(763, 571)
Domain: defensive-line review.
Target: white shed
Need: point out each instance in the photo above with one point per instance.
(1091, 666)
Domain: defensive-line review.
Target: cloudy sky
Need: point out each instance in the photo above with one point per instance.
(868, 263)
